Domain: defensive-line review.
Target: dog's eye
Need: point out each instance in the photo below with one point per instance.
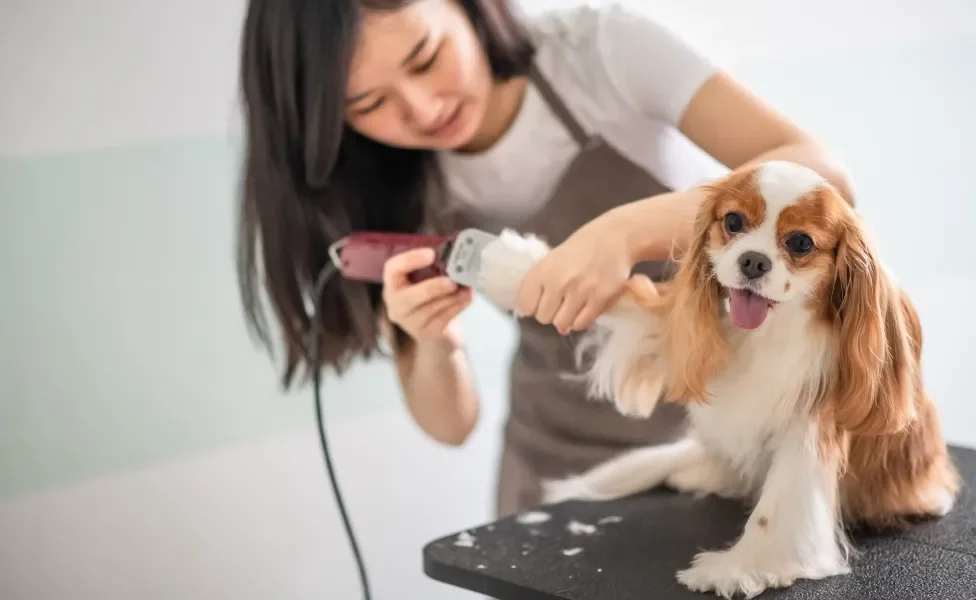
(734, 223)
(799, 243)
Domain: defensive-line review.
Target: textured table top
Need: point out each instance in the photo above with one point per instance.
(632, 548)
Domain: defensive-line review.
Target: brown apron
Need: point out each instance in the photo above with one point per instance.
(553, 428)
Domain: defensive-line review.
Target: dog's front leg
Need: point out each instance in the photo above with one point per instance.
(792, 533)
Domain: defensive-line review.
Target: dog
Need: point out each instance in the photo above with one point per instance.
(799, 359)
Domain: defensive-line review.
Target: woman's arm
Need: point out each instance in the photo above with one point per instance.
(649, 72)
(738, 129)
(723, 119)
(659, 75)
(438, 385)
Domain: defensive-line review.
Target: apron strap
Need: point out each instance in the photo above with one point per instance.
(559, 107)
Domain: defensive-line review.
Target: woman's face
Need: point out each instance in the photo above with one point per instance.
(419, 77)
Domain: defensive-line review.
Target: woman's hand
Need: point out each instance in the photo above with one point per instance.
(580, 278)
(424, 310)
(434, 373)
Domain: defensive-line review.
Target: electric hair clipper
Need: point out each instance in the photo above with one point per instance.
(361, 255)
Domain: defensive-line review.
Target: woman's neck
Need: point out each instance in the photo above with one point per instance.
(504, 104)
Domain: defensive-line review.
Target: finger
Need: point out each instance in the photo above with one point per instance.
(595, 306)
(586, 316)
(403, 302)
(527, 299)
(568, 311)
(548, 305)
(417, 295)
(399, 266)
(426, 311)
(424, 319)
(443, 318)
(467, 295)
(415, 318)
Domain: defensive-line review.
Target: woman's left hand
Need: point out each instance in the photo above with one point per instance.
(580, 278)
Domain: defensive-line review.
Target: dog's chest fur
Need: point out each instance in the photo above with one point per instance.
(769, 386)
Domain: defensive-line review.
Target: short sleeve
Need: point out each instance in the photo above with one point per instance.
(651, 67)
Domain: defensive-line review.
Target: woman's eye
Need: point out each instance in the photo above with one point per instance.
(371, 107)
(734, 223)
(799, 244)
(422, 68)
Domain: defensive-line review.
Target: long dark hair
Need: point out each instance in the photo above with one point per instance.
(309, 179)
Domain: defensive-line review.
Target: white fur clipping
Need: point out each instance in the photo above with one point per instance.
(505, 262)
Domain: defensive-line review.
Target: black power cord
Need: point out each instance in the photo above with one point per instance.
(315, 341)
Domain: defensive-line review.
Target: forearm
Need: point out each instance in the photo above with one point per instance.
(660, 227)
(439, 389)
(810, 154)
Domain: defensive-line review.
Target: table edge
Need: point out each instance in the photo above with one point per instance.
(504, 590)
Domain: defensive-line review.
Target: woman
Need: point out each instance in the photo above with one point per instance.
(589, 126)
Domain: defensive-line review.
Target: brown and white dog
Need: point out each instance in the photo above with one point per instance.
(799, 359)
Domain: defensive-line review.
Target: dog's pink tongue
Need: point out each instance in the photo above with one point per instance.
(748, 310)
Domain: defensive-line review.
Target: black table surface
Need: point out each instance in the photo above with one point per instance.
(639, 543)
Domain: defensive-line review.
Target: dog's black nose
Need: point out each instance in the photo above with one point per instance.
(754, 264)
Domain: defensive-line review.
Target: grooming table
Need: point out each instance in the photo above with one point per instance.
(640, 542)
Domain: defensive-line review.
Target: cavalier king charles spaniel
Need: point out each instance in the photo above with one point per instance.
(799, 360)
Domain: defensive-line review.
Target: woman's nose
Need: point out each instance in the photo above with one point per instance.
(422, 107)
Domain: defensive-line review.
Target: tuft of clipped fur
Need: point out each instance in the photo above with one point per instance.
(504, 264)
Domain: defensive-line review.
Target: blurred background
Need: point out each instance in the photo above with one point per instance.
(146, 449)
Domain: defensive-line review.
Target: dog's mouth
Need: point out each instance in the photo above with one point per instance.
(748, 309)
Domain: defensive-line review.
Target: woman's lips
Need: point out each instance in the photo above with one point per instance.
(450, 126)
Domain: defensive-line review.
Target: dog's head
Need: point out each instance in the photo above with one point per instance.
(779, 242)
(775, 236)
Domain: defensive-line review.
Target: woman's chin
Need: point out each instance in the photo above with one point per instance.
(457, 133)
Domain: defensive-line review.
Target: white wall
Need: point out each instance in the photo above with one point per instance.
(83, 74)
(145, 450)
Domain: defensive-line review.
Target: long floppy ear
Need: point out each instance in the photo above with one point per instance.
(878, 363)
(691, 335)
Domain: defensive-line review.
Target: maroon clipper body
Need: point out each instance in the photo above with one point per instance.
(361, 255)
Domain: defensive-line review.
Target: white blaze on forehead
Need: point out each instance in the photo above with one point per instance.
(781, 183)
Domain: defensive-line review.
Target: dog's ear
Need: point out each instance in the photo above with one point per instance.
(691, 335)
(878, 368)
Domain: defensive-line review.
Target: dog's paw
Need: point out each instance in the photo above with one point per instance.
(641, 389)
(634, 404)
(727, 575)
(555, 491)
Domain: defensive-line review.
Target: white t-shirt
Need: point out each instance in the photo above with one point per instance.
(621, 74)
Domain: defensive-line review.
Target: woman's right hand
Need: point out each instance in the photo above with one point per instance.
(427, 309)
